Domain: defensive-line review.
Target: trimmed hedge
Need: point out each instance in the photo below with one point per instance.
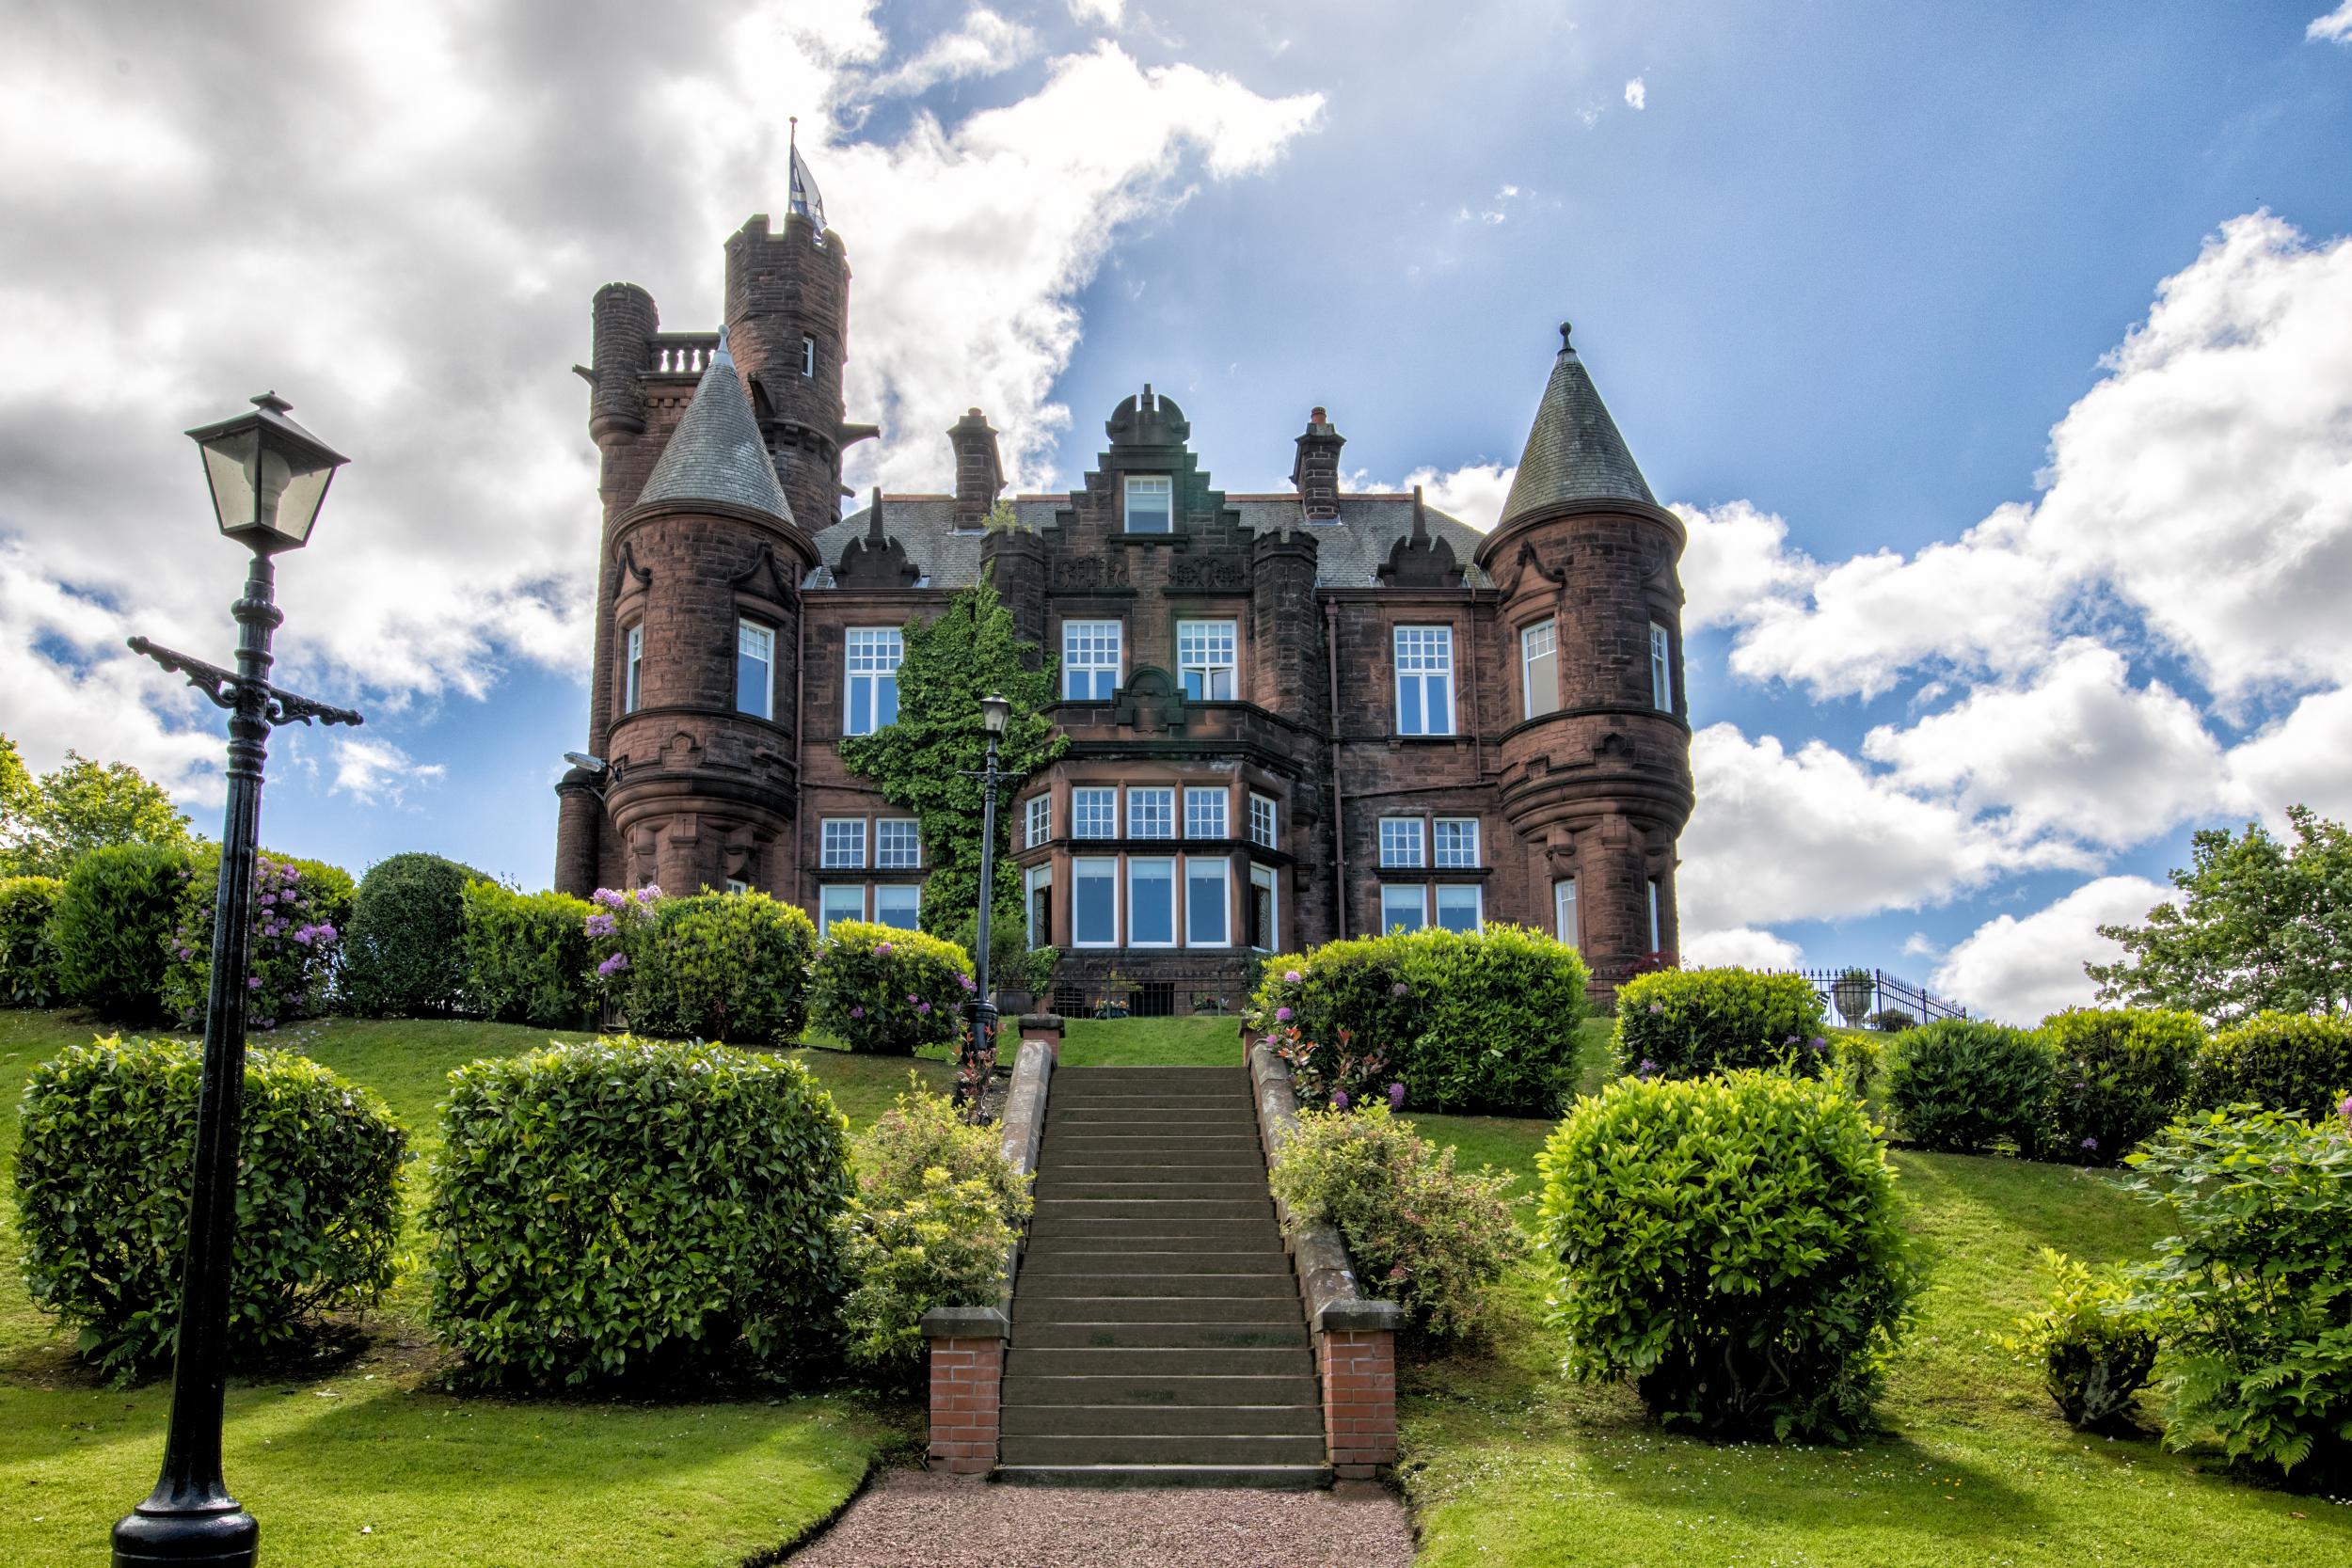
(299, 909)
(2123, 1073)
(880, 988)
(1731, 1245)
(722, 966)
(1689, 1022)
(526, 956)
(627, 1207)
(403, 953)
(28, 956)
(1480, 1021)
(2298, 1061)
(103, 1181)
(117, 907)
(1961, 1084)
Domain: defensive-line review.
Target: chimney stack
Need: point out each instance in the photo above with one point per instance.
(979, 472)
(1316, 474)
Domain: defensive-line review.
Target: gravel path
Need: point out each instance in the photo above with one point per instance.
(914, 1519)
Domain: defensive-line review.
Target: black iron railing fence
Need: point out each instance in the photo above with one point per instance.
(1886, 992)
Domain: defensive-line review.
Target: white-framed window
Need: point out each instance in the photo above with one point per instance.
(1460, 907)
(1089, 660)
(1204, 657)
(1425, 680)
(633, 670)
(874, 653)
(1150, 902)
(1564, 912)
(737, 884)
(1661, 669)
(1208, 903)
(1205, 813)
(898, 843)
(1263, 930)
(809, 355)
(1657, 941)
(1539, 669)
(1404, 905)
(1400, 840)
(842, 843)
(1151, 504)
(898, 904)
(840, 901)
(1094, 811)
(1455, 841)
(1094, 902)
(1038, 818)
(1036, 904)
(755, 669)
(1263, 822)
(1151, 812)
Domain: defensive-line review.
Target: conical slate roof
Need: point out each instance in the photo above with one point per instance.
(1574, 452)
(716, 455)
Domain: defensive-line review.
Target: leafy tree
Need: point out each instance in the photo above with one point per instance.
(2265, 925)
(920, 762)
(47, 825)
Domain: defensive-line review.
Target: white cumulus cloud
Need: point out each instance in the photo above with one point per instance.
(1474, 492)
(378, 772)
(1104, 14)
(1636, 94)
(2335, 26)
(2022, 970)
(1741, 946)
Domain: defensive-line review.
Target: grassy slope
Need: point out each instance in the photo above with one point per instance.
(321, 1454)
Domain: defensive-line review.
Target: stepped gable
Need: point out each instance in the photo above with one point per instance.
(1574, 452)
(716, 454)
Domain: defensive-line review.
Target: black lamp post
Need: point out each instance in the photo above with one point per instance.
(268, 476)
(995, 712)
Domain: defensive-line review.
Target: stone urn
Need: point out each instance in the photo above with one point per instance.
(1854, 991)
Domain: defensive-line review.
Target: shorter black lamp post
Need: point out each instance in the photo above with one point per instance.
(995, 712)
(268, 477)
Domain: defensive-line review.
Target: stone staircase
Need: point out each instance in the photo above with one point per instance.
(1157, 1335)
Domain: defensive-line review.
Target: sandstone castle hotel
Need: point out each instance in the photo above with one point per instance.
(1291, 717)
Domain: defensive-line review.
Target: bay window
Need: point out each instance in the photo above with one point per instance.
(1205, 813)
(1151, 903)
(633, 668)
(1207, 901)
(1094, 902)
(1151, 812)
(1661, 680)
(1094, 811)
(1539, 669)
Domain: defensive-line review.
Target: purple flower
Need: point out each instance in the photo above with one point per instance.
(1658, 1007)
(1817, 1043)
(1396, 1097)
(610, 898)
(1339, 1099)
(253, 982)
(1400, 988)
(1282, 1015)
(613, 965)
(303, 936)
(2345, 1110)
(922, 1006)
(2092, 1144)
(1646, 1069)
(912, 997)
(966, 982)
(650, 892)
(188, 953)
(1291, 976)
(325, 932)
(883, 949)
(599, 925)
(857, 1013)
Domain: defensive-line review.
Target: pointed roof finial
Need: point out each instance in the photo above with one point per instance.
(716, 452)
(1566, 346)
(1574, 451)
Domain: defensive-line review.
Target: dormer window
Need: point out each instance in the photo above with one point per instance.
(1151, 504)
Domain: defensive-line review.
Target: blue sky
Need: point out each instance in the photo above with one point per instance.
(1853, 279)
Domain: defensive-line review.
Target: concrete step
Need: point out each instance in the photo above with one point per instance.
(1239, 1166)
(1131, 1286)
(1146, 1107)
(1031, 1334)
(1152, 1392)
(1269, 1478)
(1228, 1451)
(1090, 1077)
(1025, 1360)
(1073, 1143)
(1127, 1420)
(1170, 1234)
(1157, 1209)
(1145, 1182)
(1148, 1117)
(1107, 1263)
(1030, 1307)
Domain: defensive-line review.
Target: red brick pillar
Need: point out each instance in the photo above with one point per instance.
(967, 1372)
(1358, 1368)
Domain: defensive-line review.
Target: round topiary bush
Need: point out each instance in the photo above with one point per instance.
(526, 956)
(722, 966)
(299, 909)
(883, 989)
(2298, 1062)
(28, 958)
(2123, 1073)
(1963, 1084)
(404, 953)
(103, 1189)
(1689, 1022)
(113, 917)
(1479, 1021)
(1730, 1244)
(628, 1207)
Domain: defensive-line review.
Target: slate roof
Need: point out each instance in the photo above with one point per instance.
(716, 454)
(1573, 452)
(1349, 552)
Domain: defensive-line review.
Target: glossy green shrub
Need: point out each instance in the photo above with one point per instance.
(2095, 1353)
(626, 1208)
(1420, 1233)
(102, 1183)
(1963, 1084)
(299, 909)
(1689, 1022)
(526, 956)
(922, 1129)
(119, 905)
(722, 966)
(403, 953)
(877, 988)
(1480, 1021)
(1730, 1244)
(2121, 1072)
(28, 958)
(2298, 1062)
(2254, 1293)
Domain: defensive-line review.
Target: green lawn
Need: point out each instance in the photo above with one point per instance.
(1152, 1043)
(364, 1460)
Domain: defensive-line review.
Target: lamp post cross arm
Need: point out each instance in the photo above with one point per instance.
(226, 687)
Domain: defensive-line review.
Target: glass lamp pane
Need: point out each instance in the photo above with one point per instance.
(228, 470)
(298, 500)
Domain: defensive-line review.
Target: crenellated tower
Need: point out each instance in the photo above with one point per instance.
(787, 321)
